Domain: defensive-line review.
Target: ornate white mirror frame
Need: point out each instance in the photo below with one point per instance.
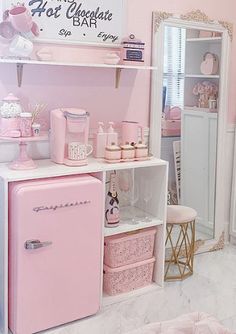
(194, 20)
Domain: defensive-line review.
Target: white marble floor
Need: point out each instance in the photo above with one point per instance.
(211, 289)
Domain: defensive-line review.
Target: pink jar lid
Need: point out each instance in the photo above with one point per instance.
(127, 147)
(113, 147)
(141, 145)
(10, 98)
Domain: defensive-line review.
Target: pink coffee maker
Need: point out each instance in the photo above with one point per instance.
(130, 132)
(69, 136)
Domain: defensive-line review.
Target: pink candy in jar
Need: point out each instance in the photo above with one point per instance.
(25, 124)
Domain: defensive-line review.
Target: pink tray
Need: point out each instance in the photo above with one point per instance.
(128, 278)
(127, 248)
(127, 160)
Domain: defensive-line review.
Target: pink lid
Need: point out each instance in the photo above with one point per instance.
(11, 97)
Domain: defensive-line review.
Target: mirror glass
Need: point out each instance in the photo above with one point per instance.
(191, 76)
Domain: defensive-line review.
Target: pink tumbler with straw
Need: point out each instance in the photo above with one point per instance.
(26, 124)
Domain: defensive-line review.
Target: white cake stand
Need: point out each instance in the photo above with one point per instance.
(23, 161)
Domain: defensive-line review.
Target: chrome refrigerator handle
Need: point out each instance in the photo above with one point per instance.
(36, 244)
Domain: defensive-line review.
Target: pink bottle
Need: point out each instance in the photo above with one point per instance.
(112, 210)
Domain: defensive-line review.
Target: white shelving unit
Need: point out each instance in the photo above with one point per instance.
(199, 135)
(74, 64)
(154, 169)
(196, 48)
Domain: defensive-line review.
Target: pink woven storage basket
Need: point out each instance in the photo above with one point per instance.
(127, 248)
(128, 278)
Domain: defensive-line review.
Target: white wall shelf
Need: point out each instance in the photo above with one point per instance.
(202, 76)
(195, 108)
(47, 168)
(119, 67)
(128, 226)
(204, 39)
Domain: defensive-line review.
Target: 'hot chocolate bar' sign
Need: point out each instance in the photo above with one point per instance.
(76, 21)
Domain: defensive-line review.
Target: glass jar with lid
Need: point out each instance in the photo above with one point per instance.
(10, 111)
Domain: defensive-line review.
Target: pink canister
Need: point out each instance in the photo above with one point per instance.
(25, 124)
(113, 153)
(127, 152)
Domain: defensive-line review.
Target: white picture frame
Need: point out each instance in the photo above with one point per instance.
(64, 28)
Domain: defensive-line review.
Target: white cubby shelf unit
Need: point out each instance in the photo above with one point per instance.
(154, 170)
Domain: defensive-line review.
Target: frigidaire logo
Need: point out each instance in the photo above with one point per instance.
(60, 206)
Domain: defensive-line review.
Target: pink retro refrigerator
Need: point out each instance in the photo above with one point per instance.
(55, 235)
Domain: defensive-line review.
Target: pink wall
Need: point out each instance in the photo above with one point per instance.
(94, 89)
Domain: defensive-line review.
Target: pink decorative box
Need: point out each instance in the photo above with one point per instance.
(128, 278)
(170, 127)
(128, 248)
(132, 51)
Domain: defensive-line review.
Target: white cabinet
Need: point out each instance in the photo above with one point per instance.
(150, 201)
(198, 164)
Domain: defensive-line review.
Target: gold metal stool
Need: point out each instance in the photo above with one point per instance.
(179, 261)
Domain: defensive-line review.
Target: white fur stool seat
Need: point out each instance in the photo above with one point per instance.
(178, 214)
(180, 240)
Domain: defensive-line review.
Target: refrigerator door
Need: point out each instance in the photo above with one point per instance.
(54, 252)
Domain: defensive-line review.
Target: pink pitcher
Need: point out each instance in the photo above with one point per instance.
(130, 132)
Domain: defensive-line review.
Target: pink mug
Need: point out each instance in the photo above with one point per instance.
(130, 132)
(21, 19)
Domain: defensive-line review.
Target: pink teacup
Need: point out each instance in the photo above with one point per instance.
(21, 19)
